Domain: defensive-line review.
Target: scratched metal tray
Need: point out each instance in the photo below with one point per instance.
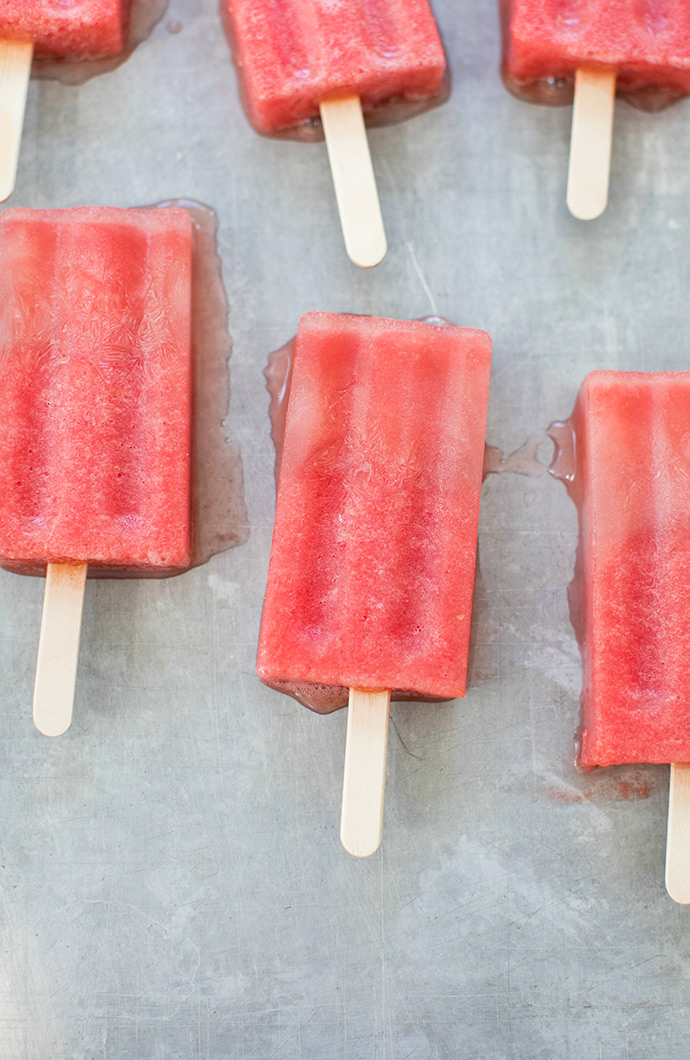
(171, 877)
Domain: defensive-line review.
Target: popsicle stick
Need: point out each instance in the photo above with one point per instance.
(590, 143)
(15, 68)
(361, 822)
(354, 180)
(678, 836)
(58, 647)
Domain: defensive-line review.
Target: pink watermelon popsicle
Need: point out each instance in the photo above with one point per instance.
(48, 29)
(292, 56)
(372, 563)
(95, 319)
(633, 469)
(308, 64)
(66, 29)
(631, 601)
(640, 49)
(646, 44)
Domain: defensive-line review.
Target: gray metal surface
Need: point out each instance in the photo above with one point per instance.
(171, 882)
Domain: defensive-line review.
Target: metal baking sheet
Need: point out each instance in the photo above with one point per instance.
(171, 878)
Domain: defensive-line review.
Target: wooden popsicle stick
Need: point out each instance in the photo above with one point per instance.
(354, 180)
(15, 68)
(58, 647)
(678, 836)
(364, 781)
(590, 143)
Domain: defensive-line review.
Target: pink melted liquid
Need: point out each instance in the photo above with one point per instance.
(219, 515)
(143, 17)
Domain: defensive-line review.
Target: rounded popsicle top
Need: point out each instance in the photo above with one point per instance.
(67, 29)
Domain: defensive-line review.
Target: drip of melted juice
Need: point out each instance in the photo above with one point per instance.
(143, 17)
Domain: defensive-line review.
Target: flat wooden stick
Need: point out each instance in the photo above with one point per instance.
(361, 822)
(590, 143)
(58, 647)
(678, 836)
(354, 180)
(15, 68)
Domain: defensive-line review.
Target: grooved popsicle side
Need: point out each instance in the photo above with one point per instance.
(15, 69)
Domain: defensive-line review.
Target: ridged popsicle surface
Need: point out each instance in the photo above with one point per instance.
(632, 597)
(95, 378)
(372, 563)
(293, 54)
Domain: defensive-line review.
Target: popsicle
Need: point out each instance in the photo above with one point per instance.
(307, 64)
(631, 598)
(95, 373)
(55, 29)
(372, 562)
(593, 48)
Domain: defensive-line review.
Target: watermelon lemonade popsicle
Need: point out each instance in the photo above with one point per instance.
(95, 372)
(631, 595)
(372, 562)
(55, 29)
(641, 49)
(304, 64)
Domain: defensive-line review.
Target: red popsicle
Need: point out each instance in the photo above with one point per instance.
(642, 49)
(66, 29)
(307, 63)
(372, 563)
(95, 317)
(48, 29)
(631, 602)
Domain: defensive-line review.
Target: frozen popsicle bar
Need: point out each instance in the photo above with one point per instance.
(631, 600)
(313, 66)
(555, 50)
(95, 311)
(372, 563)
(95, 375)
(647, 45)
(293, 55)
(66, 29)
